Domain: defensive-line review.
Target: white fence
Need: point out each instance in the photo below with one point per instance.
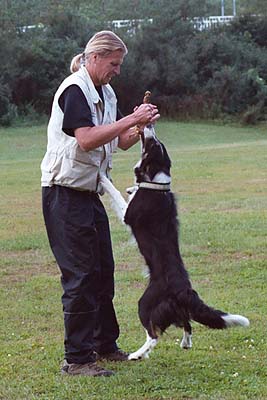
(130, 24)
(209, 22)
(200, 23)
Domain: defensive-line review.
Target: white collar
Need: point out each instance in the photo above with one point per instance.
(165, 187)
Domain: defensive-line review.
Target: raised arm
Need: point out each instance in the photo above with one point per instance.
(91, 137)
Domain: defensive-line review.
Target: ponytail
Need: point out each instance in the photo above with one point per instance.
(76, 62)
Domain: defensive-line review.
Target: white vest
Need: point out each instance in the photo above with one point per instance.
(65, 163)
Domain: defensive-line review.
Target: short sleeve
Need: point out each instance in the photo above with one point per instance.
(77, 113)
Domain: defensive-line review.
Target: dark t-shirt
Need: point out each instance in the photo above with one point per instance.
(77, 113)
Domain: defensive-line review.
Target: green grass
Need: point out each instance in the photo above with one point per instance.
(219, 174)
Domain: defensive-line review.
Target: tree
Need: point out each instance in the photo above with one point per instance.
(255, 7)
(187, 71)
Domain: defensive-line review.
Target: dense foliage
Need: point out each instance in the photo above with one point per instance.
(209, 74)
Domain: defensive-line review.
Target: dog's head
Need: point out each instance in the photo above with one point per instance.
(155, 163)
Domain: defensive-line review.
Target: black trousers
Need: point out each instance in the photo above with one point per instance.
(79, 236)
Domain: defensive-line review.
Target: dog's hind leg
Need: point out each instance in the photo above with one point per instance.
(186, 342)
(145, 305)
(144, 351)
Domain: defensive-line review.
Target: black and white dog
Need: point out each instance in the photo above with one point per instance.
(151, 212)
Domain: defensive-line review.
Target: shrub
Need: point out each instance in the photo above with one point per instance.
(8, 111)
(254, 114)
(251, 26)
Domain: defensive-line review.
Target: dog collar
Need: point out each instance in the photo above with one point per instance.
(155, 186)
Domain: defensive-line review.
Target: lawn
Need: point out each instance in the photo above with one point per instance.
(219, 174)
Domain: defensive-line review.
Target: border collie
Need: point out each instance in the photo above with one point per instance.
(151, 213)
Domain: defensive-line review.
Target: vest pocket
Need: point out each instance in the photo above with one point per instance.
(80, 169)
(76, 154)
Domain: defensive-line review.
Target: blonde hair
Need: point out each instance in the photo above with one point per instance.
(102, 43)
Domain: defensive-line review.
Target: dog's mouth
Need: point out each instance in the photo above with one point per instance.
(149, 133)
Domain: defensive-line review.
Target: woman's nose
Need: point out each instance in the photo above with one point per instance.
(118, 70)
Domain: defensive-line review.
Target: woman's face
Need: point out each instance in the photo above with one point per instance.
(102, 69)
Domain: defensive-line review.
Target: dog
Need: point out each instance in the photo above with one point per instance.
(151, 213)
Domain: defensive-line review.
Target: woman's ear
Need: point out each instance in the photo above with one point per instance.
(94, 57)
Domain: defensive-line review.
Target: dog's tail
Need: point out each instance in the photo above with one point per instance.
(215, 319)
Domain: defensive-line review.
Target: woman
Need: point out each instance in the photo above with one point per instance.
(83, 132)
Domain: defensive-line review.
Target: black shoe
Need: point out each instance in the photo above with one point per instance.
(117, 355)
(89, 369)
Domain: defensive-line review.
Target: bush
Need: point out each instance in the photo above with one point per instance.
(251, 26)
(8, 111)
(254, 114)
(190, 73)
(200, 74)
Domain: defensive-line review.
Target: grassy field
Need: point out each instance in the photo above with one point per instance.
(220, 178)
